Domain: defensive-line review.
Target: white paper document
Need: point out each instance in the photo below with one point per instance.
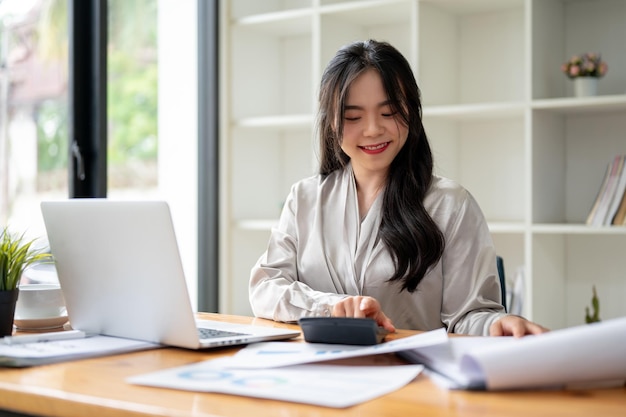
(18, 354)
(580, 354)
(318, 384)
(576, 355)
(276, 354)
(292, 372)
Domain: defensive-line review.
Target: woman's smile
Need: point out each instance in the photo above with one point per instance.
(375, 149)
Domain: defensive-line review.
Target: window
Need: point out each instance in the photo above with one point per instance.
(132, 102)
(33, 110)
(152, 111)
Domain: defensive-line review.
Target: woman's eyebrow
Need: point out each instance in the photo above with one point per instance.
(356, 107)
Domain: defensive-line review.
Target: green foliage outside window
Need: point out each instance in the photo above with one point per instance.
(132, 81)
(132, 108)
(52, 135)
(132, 99)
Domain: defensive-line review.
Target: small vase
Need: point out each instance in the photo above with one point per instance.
(8, 300)
(586, 86)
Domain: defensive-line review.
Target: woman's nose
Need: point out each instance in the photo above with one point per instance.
(373, 127)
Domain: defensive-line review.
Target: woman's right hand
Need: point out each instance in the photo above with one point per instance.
(361, 307)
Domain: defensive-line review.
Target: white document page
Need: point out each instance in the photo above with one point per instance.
(38, 353)
(445, 360)
(580, 354)
(275, 354)
(587, 353)
(317, 384)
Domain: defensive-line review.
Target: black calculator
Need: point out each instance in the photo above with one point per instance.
(342, 330)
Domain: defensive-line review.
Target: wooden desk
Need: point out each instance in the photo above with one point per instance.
(97, 388)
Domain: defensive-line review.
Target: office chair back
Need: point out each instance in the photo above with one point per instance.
(500, 266)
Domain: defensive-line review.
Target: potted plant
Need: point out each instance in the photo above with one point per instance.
(16, 253)
(585, 70)
(595, 305)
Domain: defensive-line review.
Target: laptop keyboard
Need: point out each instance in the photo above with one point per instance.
(213, 333)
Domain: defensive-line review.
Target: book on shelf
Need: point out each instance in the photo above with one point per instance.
(601, 191)
(620, 217)
(618, 195)
(610, 195)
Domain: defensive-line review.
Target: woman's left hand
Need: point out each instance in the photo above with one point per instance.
(516, 326)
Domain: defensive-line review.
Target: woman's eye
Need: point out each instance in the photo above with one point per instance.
(351, 118)
(389, 114)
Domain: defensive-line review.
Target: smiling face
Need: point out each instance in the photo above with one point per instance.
(373, 133)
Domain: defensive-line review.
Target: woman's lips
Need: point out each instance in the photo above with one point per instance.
(374, 149)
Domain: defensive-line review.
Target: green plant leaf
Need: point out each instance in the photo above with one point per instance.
(16, 254)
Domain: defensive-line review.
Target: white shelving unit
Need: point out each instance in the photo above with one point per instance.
(501, 118)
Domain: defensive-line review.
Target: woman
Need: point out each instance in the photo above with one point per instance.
(376, 234)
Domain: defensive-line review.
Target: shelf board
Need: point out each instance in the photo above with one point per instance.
(283, 122)
(267, 224)
(370, 12)
(475, 111)
(256, 224)
(577, 229)
(568, 105)
(462, 7)
(506, 227)
(283, 23)
(494, 227)
(576, 105)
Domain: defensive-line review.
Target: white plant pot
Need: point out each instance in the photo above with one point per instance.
(585, 86)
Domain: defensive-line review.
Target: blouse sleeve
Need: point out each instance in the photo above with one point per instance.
(274, 289)
(471, 294)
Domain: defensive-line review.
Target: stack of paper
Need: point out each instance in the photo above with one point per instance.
(45, 348)
(326, 385)
(283, 371)
(582, 354)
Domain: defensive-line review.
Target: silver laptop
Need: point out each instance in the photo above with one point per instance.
(120, 270)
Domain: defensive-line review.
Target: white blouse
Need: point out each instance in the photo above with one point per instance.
(321, 252)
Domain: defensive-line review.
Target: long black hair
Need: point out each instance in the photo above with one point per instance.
(408, 231)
